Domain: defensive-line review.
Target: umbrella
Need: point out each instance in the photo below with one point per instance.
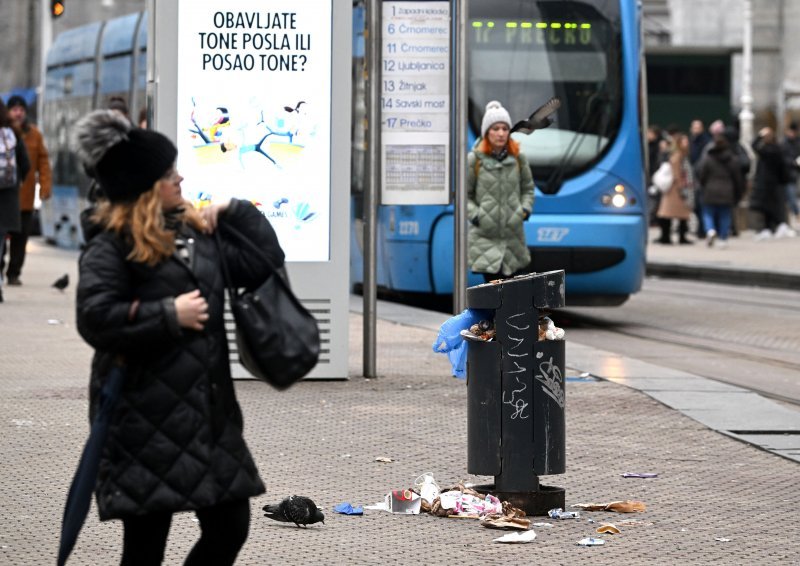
(80, 491)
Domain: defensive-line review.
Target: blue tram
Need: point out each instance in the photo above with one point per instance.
(589, 217)
(86, 66)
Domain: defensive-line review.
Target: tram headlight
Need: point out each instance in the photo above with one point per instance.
(617, 198)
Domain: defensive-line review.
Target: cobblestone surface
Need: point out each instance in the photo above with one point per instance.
(321, 439)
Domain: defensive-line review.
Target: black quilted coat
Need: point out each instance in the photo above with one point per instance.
(175, 441)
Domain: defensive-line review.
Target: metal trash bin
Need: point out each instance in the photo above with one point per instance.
(516, 395)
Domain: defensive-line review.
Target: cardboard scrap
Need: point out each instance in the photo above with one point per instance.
(616, 506)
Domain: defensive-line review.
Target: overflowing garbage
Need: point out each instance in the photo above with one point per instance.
(463, 502)
(476, 325)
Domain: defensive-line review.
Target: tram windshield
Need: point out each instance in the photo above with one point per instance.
(523, 53)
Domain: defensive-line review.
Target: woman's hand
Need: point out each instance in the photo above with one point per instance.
(211, 214)
(192, 310)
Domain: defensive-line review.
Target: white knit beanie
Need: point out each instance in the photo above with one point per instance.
(494, 113)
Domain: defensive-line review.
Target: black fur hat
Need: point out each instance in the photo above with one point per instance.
(126, 161)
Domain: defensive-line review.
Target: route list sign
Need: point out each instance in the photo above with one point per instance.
(415, 103)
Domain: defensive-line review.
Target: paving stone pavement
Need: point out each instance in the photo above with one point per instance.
(321, 439)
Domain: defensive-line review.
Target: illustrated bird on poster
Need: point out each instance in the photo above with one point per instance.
(540, 118)
(295, 509)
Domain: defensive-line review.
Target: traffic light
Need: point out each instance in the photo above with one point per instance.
(57, 8)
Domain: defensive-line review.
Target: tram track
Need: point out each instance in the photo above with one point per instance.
(748, 337)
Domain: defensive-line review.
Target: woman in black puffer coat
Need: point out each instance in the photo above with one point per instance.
(150, 297)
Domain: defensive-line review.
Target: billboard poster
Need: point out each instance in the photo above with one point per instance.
(254, 113)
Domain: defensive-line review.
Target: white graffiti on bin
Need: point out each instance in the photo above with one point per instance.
(519, 404)
(551, 380)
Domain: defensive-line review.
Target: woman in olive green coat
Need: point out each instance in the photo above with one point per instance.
(499, 199)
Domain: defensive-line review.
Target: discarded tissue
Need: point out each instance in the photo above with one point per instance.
(517, 537)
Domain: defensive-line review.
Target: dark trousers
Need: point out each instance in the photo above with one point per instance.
(224, 531)
(666, 228)
(16, 246)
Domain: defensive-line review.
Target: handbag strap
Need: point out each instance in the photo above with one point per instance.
(247, 243)
(226, 276)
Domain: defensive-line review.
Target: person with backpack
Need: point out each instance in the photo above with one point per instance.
(499, 199)
(14, 166)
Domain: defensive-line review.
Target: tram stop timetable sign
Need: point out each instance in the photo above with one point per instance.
(415, 103)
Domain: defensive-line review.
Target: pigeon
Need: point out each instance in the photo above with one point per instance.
(295, 509)
(539, 119)
(296, 108)
(62, 282)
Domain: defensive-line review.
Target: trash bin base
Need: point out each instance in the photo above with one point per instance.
(532, 502)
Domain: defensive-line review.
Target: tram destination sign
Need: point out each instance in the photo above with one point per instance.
(415, 102)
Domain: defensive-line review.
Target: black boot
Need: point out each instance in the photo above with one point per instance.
(683, 229)
(665, 224)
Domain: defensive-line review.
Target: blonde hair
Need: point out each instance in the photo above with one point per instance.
(143, 220)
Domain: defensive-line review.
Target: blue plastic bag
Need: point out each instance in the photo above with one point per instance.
(450, 342)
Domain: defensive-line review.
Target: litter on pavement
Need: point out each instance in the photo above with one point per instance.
(591, 541)
(608, 528)
(639, 475)
(616, 506)
(527, 536)
(561, 514)
(348, 509)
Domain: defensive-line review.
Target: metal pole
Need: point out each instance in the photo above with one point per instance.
(46, 40)
(459, 28)
(151, 86)
(746, 114)
(373, 36)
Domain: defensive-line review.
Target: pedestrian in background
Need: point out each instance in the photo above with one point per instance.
(720, 175)
(499, 199)
(40, 173)
(118, 104)
(150, 298)
(674, 203)
(14, 166)
(791, 153)
(699, 141)
(768, 199)
(655, 156)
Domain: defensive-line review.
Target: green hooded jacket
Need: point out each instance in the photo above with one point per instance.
(499, 198)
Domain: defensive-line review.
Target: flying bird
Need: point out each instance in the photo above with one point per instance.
(295, 509)
(539, 119)
(296, 108)
(62, 282)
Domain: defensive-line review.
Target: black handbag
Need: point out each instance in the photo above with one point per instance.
(277, 338)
